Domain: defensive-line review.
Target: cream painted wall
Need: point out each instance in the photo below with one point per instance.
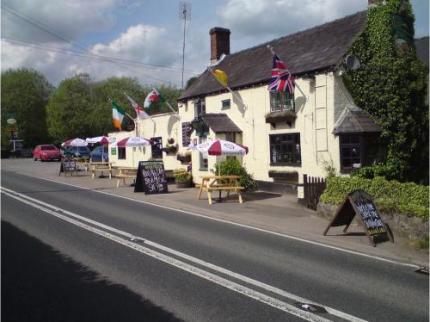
(319, 101)
(315, 100)
(165, 125)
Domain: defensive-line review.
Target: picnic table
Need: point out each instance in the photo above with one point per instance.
(100, 167)
(220, 183)
(123, 173)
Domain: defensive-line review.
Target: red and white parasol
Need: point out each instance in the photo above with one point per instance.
(222, 147)
(99, 139)
(133, 141)
(74, 142)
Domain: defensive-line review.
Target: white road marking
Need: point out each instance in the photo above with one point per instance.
(288, 308)
(344, 250)
(50, 208)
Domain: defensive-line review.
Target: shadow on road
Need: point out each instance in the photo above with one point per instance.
(40, 284)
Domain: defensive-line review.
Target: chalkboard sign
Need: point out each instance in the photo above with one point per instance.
(67, 165)
(151, 178)
(360, 203)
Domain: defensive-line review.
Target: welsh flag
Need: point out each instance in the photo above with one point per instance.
(117, 115)
(153, 97)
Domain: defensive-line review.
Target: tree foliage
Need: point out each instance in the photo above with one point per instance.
(391, 84)
(24, 94)
(81, 108)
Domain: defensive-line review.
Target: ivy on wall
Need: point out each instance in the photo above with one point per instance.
(391, 84)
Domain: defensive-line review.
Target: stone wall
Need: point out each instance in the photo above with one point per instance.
(402, 225)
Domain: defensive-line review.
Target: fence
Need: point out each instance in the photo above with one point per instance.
(313, 188)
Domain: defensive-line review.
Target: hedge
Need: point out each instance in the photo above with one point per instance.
(389, 196)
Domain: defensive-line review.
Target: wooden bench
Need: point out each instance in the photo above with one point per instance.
(100, 167)
(220, 183)
(125, 173)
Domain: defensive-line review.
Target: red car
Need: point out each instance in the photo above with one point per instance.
(46, 152)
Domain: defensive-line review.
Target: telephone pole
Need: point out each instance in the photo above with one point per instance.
(184, 14)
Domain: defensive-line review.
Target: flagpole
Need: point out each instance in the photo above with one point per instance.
(225, 86)
(171, 107)
(297, 85)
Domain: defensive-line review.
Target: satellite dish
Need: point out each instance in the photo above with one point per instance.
(352, 62)
(11, 121)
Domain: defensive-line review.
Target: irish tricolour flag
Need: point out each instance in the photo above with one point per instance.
(117, 115)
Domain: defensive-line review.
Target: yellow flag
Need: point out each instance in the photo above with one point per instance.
(221, 77)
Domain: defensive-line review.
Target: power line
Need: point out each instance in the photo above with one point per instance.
(77, 44)
(95, 57)
(66, 52)
(82, 47)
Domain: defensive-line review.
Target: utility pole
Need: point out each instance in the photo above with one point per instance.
(184, 14)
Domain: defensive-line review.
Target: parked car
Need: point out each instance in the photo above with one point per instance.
(78, 151)
(98, 153)
(46, 152)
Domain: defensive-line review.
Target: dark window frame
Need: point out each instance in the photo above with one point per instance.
(351, 147)
(225, 104)
(285, 149)
(281, 102)
(122, 153)
(200, 107)
(157, 147)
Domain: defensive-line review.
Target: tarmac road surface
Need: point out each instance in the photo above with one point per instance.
(202, 270)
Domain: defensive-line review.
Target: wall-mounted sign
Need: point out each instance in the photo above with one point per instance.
(113, 151)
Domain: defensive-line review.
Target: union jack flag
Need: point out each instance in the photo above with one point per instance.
(281, 80)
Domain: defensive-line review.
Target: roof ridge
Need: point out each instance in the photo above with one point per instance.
(298, 33)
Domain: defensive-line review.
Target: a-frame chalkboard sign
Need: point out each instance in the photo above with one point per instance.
(151, 178)
(360, 203)
(67, 166)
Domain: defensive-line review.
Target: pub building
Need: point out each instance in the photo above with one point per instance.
(288, 135)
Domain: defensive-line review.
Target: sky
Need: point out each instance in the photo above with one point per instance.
(143, 38)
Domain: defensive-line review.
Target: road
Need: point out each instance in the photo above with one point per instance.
(203, 270)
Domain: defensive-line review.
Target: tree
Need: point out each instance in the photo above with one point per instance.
(69, 110)
(391, 85)
(24, 94)
(115, 88)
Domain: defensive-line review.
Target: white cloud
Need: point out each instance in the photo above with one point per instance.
(147, 44)
(257, 21)
(45, 20)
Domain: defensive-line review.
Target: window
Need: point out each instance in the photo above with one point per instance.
(121, 153)
(225, 104)
(350, 152)
(230, 136)
(200, 107)
(285, 149)
(157, 146)
(203, 162)
(187, 129)
(281, 101)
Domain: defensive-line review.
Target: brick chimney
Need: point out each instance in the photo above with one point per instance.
(220, 42)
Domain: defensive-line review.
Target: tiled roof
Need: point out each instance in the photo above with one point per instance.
(307, 51)
(355, 120)
(220, 123)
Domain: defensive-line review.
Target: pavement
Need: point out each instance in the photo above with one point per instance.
(276, 213)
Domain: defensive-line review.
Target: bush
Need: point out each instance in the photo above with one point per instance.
(233, 167)
(392, 196)
(388, 171)
(182, 176)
